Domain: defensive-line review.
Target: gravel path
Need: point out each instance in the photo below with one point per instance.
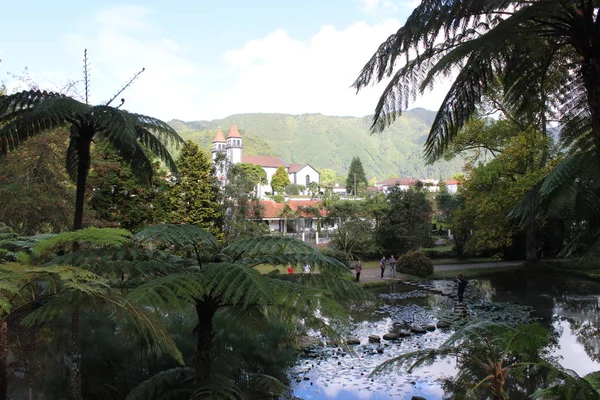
(374, 274)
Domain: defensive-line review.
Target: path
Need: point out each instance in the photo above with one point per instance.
(374, 274)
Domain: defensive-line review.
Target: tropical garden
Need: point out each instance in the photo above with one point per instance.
(129, 271)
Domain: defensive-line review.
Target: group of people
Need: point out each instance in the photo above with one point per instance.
(383, 264)
(307, 269)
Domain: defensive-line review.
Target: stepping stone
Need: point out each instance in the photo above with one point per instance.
(418, 329)
(443, 325)
(404, 333)
(353, 341)
(391, 336)
(430, 328)
(374, 339)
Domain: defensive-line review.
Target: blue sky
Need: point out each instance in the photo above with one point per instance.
(205, 59)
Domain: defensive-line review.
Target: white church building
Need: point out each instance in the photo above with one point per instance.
(299, 174)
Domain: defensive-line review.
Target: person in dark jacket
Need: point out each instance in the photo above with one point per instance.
(462, 285)
(382, 265)
(358, 269)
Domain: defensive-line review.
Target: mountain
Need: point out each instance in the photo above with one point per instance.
(331, 142)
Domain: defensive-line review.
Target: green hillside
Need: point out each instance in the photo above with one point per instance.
(331, 142)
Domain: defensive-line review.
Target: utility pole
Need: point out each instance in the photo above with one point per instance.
(355, 183)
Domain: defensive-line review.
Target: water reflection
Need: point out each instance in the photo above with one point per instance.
(568, 306)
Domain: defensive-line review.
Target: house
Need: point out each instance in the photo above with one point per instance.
(432, 185)
(299, 174)
(402, 183)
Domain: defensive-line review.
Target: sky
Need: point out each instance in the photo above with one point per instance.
(205, 59)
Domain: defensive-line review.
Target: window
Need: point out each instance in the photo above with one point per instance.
(307, 181)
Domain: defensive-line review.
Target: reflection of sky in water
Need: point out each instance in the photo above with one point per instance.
(572, 353)
(558, 301)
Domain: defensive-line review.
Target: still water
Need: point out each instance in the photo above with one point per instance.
(569, 306)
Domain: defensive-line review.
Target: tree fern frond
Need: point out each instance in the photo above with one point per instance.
(170, 291)
(155, 145)
(178, 235)
(567, 171)
(118, 128)
(236, 284)
(97, 237)
(333, 285)
(165, 385)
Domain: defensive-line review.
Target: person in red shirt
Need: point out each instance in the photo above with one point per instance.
(290, 270)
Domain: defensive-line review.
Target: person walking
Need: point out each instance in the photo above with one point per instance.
(358, 269)
(382, 265)
(462, 285)
(290, 269)
(392, 267)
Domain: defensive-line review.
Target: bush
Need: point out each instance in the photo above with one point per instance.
(415, 263)
(277, 198)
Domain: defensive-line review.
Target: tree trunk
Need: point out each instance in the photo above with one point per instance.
(3, 359)
(531, 246)
(75, 380)
(82, 171)
(205, 310)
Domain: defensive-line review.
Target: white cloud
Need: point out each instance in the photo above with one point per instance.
(122, 42)
(281, 74)
(274, 73)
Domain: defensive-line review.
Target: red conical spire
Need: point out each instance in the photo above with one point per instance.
(233, 132)
(219, 137)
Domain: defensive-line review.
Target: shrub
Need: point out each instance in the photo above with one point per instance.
(415, 263)
(277, 198)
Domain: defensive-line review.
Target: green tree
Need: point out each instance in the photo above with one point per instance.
(407, 222)
(535, 46)
(215, 279)
(35, 191)
(280, 180)
(117, 199)
(194, 197)
(30, 113)
(243, 212)
(328, 176)
(356, 177)
(255, 174)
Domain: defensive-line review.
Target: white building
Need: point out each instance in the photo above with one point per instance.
(299, 174)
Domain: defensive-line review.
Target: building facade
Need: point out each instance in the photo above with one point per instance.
(232, 148)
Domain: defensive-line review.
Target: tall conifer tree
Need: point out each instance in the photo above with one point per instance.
(194, 198)
(356, 176)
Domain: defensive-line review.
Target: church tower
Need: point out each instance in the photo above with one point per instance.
(234, 145)
(218, 144)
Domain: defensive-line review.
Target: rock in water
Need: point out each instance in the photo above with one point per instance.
(353, 340)
(390, 336)
(418, 329)
(418, 398)
(374, 339)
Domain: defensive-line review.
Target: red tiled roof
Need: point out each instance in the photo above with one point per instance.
(264, 161)
(233, 132)
(295, 167)
(397, 181)
(451, 182)
(374, 189)
(219, 137)
(273, 209)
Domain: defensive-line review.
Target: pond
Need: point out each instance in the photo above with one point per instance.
(569, 306)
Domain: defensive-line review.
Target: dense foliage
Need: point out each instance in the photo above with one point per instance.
(356, 182)
(415, 263)
(406, 223)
